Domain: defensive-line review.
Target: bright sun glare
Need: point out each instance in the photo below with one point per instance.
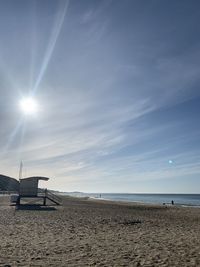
(29, 106)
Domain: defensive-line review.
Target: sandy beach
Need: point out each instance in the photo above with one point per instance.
(86, 232)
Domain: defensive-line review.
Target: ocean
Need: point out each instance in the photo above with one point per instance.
(178, 199)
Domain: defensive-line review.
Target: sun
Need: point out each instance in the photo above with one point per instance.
(28, 106)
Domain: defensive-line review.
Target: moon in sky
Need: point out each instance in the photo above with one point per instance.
(28, 106)
(170, 161)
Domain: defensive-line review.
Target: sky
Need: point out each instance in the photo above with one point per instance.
(117, 88)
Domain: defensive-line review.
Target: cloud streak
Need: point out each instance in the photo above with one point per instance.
(118, 93)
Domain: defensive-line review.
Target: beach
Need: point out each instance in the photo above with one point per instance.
(85, 232)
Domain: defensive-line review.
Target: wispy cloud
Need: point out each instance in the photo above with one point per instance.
(110, 85)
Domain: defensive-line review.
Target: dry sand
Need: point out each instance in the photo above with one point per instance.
(91, 233)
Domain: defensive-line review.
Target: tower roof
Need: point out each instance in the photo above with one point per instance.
(36, 178)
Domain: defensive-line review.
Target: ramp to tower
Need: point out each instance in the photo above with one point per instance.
(53, 198)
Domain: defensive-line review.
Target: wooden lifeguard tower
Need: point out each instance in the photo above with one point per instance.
(28, 188)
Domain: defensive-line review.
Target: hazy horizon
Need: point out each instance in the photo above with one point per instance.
(117, 89)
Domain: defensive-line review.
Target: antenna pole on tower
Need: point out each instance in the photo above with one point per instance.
(20, 170)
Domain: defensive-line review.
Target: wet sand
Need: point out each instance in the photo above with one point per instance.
(99, 233)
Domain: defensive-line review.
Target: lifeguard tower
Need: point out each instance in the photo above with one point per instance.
(28, 188)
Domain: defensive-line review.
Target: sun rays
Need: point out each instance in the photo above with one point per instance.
(28, 104)
(50, 48)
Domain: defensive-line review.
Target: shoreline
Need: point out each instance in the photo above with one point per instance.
(126, 202)
(100, 199)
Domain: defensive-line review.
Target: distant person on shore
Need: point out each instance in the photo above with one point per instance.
(172, 202)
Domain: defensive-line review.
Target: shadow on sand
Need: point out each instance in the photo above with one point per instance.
(34, 207)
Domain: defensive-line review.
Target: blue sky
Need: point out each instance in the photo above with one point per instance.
(117, 85)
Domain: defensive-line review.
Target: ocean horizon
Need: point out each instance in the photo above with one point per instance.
(156, 198)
